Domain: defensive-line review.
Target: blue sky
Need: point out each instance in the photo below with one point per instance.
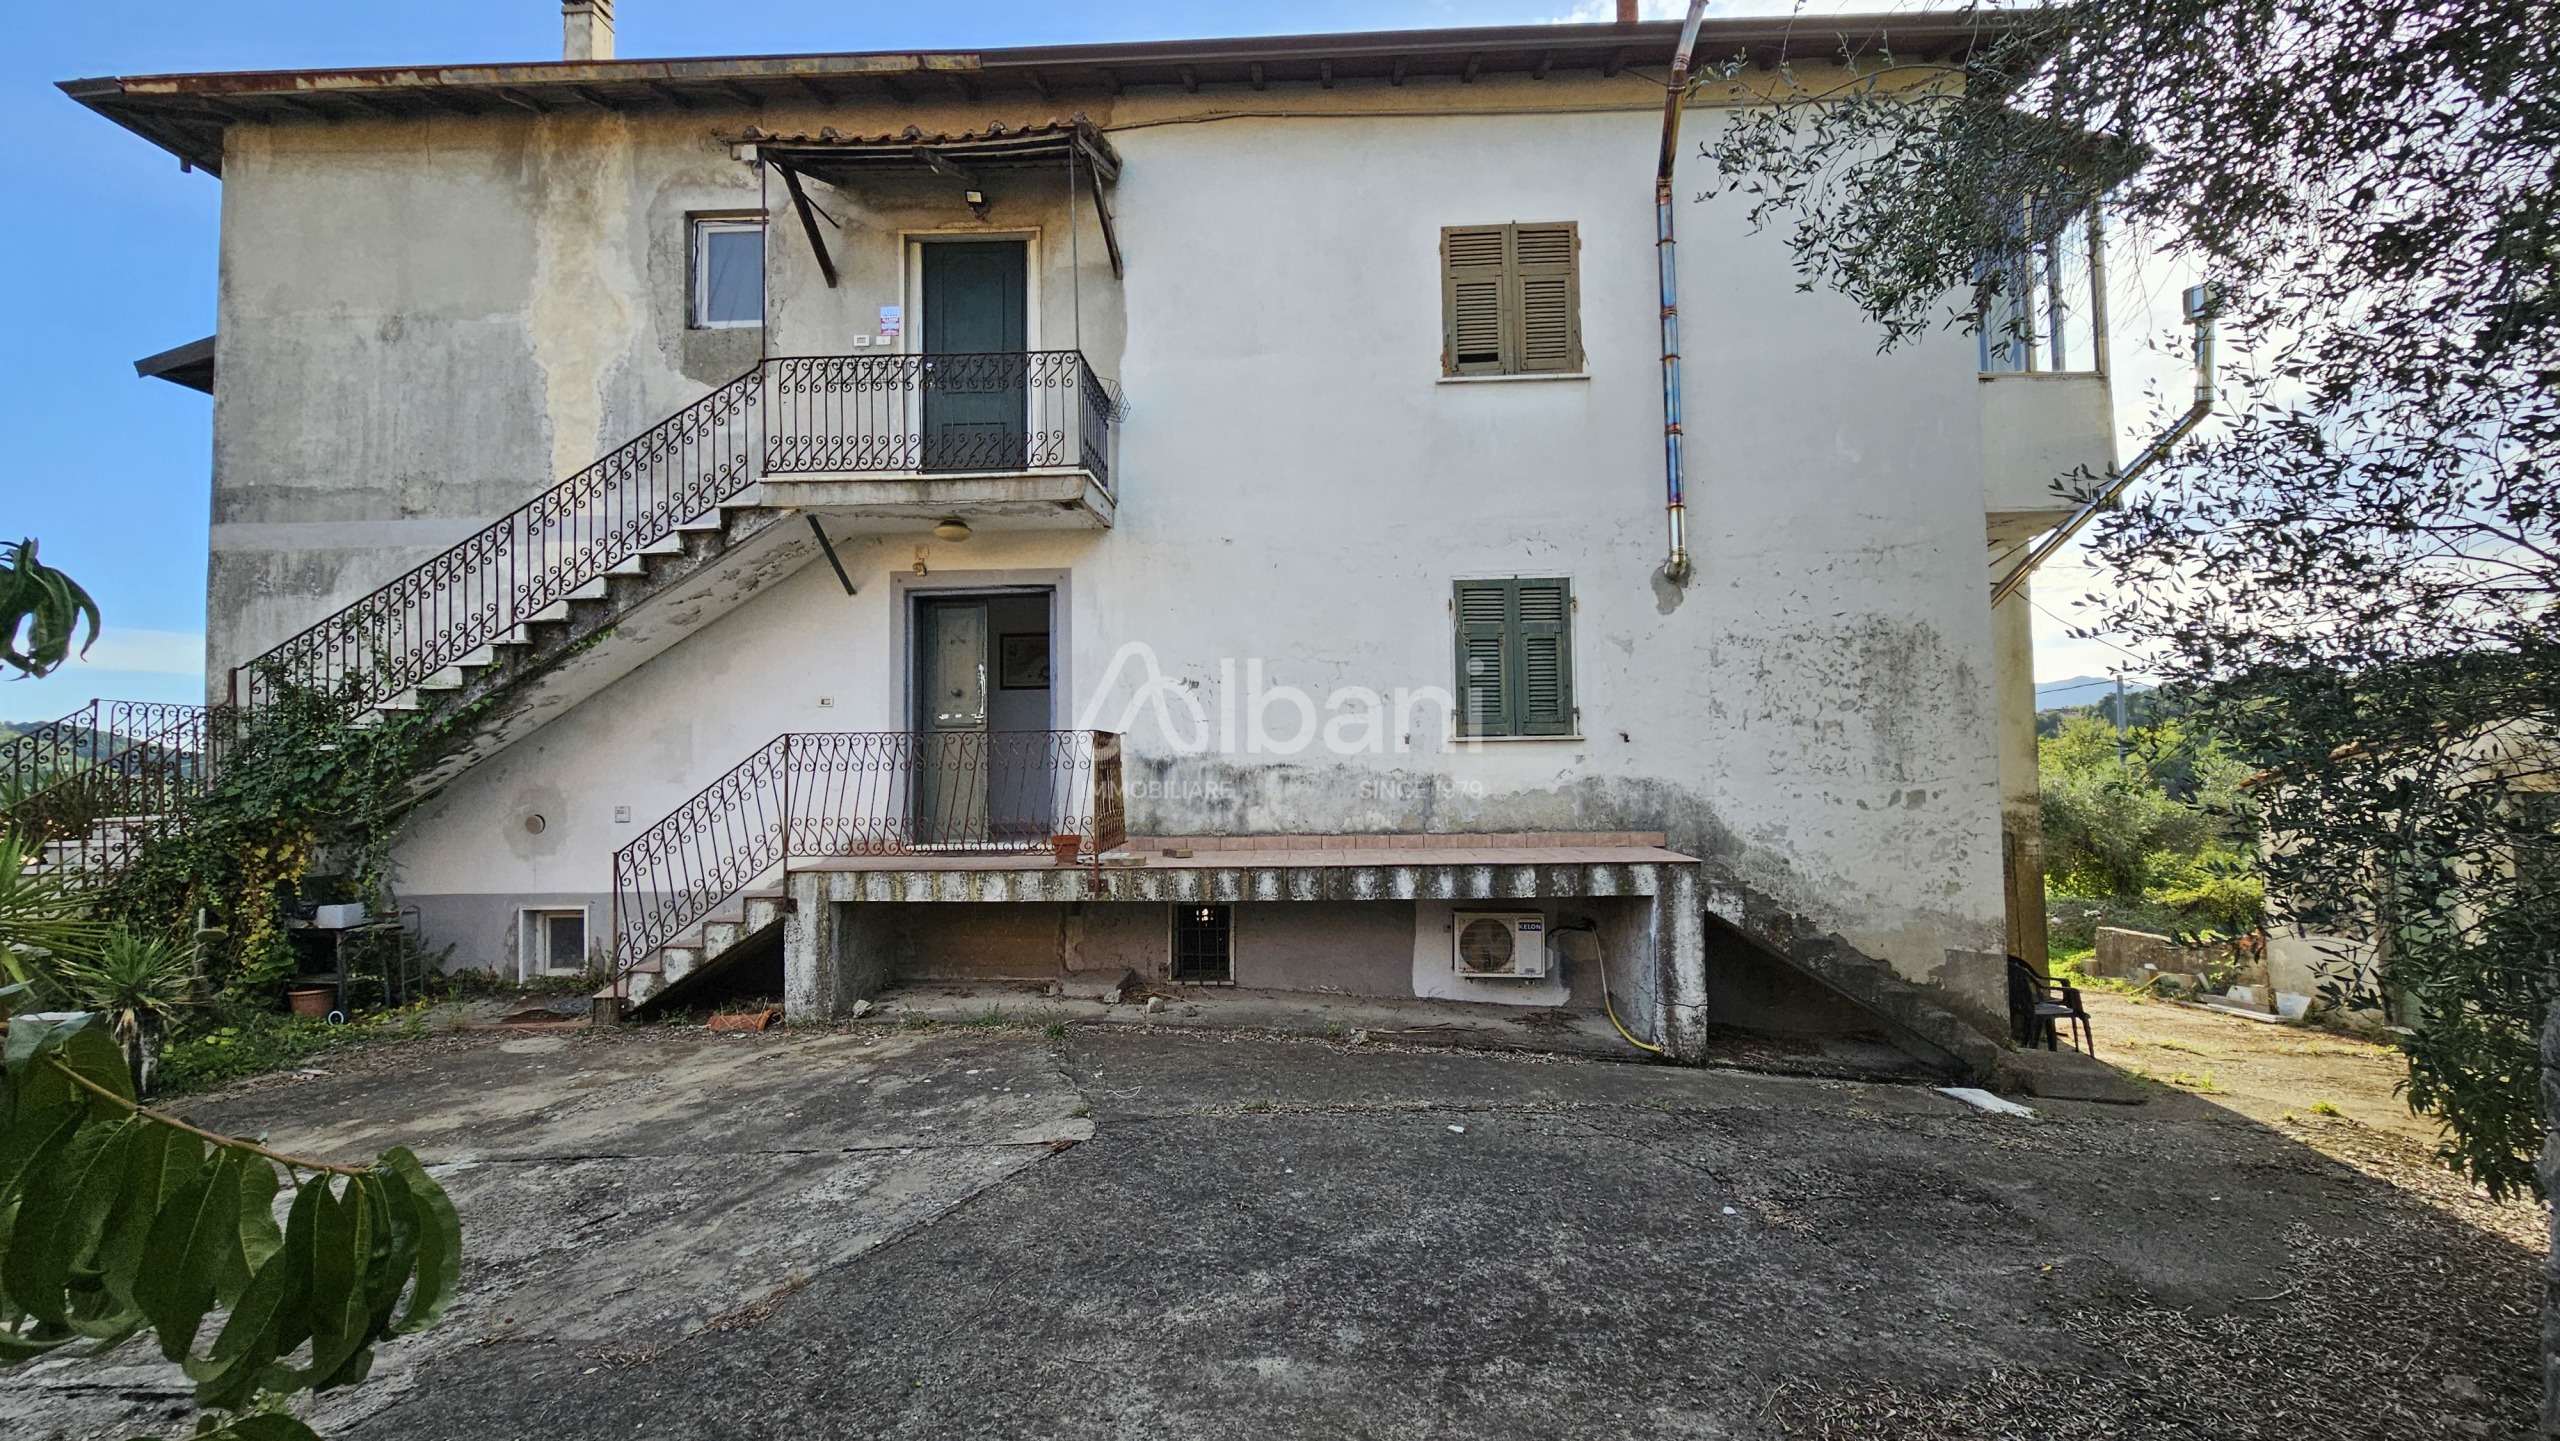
(111, 256)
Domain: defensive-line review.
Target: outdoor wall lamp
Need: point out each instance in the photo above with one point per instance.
(952, 529)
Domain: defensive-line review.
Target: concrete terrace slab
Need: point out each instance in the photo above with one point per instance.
(1287, 853)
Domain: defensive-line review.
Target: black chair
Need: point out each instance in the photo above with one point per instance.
(2035, 1004)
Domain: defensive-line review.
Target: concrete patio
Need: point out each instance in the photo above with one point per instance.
(1131, 1230)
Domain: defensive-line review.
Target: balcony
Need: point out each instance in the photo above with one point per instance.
(1007, 440)
(2047, 415)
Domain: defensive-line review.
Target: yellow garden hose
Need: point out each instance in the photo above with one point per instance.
(1606, 1003)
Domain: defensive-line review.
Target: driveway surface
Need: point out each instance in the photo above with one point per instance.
(1125, 1232)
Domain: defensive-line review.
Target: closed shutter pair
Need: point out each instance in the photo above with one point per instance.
(1509, 299)
(1515, 657)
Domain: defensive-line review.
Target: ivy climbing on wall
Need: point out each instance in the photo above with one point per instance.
(303, 801)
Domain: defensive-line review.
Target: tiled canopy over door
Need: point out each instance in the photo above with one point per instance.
(975, 369)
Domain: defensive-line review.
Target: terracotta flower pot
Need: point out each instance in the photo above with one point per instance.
(1065, 848)
(314, 1001)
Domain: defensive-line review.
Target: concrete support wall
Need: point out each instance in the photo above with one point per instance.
(2021, 783)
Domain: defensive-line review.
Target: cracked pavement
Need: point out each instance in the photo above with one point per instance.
(1129, 1232)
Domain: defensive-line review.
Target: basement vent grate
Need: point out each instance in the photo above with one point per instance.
(1204, 943)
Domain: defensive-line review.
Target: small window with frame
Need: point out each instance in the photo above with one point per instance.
(1204, 944)
(728, 272)
(555, 942)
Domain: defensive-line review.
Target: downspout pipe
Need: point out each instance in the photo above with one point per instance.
(2203, 303)
(1675, 564)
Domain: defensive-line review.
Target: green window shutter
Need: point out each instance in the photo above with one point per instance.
(1473, 288)
(1550, 320)
(1542, 670)
(1484, 670)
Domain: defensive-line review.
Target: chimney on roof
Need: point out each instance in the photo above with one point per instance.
(586, 29)
(1626, 12)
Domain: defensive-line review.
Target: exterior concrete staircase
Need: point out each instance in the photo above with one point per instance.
(1926, 1019)
(607, 629)
(554, 601)
(742, 925)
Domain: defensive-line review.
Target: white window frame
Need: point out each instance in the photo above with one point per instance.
(534, 936)
(697, 228)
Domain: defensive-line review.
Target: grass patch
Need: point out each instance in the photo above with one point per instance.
(2202, 1083)
(2067, 969)
(990, 1017)
(2326, 1108)
(254, 1043)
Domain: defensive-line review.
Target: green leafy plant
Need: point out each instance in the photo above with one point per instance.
(40, 915)
(141, 984)
(116, 1219)
(41, 612)
(300, 788)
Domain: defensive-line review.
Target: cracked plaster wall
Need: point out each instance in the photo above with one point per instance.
(1298, 488)
(1813, 717)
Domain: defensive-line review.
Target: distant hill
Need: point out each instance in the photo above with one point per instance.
(2081, 690)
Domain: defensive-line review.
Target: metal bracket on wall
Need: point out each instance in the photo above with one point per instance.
(809, 223)
(828, 546)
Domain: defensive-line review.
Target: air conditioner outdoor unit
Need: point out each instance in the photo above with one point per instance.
(1500, 945)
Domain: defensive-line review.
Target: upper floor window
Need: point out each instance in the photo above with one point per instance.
(2044, 303)
(1515, 657)
(1510, 299)
(728, 273)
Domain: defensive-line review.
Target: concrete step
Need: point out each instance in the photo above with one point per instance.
(574, 647)
(677, 962)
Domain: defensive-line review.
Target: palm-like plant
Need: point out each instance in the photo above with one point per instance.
(41, 917)
(142, 984)
(41, 611)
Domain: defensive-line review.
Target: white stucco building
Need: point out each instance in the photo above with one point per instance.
(1289, 409)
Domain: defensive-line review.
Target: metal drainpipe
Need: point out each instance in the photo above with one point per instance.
(1675, 564)
(2203, 303)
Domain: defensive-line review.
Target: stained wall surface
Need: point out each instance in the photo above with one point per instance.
(1298, 486)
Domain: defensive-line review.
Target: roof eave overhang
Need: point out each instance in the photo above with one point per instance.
(187, 114)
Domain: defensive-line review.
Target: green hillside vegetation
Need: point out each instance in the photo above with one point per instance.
(2146, 829)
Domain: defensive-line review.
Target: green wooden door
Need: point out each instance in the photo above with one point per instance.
(975, 370)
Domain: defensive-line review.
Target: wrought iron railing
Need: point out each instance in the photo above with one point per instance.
(480, 590)
(816, 795)
(39, 755)
(91, 789)
(788, 416)
(1001, 411)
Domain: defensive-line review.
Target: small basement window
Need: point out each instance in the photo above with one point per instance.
(728, 273)
(556, 942)
(1204, 943)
